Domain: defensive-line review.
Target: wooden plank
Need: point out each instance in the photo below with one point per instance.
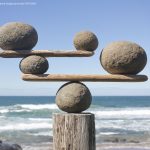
(86, 77)
(74, 131)
(45, 53)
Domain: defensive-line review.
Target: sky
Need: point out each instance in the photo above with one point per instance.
(57, 22)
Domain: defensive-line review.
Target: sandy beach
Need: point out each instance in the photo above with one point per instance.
(115, 146)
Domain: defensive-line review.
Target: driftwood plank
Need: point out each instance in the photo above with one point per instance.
(86, 77)
(45, 53)
(74, 131)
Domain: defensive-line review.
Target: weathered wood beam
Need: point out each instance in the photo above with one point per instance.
(45, 53)
(85, 77)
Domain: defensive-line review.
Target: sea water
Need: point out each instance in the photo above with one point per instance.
(28, 120)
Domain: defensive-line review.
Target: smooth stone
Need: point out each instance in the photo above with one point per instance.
(85, 40)
(17, 36)
(34, 65)
(7, 146)
(73, 97)
(123, 57)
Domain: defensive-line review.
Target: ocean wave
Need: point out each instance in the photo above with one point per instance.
(123, 126)
(40, 119)
(2, 111)
(123, 113)
(43, 133)
(38, 106)
(27, 108)
(25, 126)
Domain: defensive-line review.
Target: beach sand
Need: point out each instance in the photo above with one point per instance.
(115, 146)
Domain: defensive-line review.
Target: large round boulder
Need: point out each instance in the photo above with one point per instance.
(73, 97)
(123, 58)
(17, 36)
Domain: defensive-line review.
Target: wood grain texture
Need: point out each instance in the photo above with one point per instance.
(74, 131)
(86, 77)
(45, 53)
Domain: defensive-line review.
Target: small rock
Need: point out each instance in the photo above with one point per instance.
(17, 36)
(7, 146)
(73, 97)
(123, 58)
(34, 65)
(86, 41)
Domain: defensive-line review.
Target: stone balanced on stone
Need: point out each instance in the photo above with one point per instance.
(123, 58)
(34, 65)
(73, 97)
(85, 40)
(17, 36)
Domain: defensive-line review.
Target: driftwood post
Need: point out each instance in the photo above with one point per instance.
(73, 131)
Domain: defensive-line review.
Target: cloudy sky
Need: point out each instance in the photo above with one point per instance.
(58, 21)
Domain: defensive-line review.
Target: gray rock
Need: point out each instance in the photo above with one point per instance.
(73, 97)
(7, 146)
(34, 65)
(85, 41)
(123, 58)
(17, 36)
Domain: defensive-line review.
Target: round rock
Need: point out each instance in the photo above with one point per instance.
(123, 58)
(17, 36)
(34, 65)
(73, 97)
(8, 146)
(86, 41)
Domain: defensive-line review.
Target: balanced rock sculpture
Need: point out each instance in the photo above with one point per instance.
(73, 97)
(34, 65)
(123, 58)
(17, 36)
(85, 40)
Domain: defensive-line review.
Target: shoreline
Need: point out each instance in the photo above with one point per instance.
(106, 146)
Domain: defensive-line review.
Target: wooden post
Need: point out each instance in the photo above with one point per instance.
(72, 131)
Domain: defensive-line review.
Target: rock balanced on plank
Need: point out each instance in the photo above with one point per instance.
(75, 97)
(17, 36)
(85, 40)
(123, 57)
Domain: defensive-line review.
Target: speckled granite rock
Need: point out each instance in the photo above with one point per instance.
(34, 65)
(123, 58)
(73, 97)
(17, 36)
(7, 146)
(85, 41)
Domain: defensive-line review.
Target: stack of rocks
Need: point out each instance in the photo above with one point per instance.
(19, 36)
(120, 57)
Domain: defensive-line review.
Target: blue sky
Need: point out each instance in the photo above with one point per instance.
(58, 21)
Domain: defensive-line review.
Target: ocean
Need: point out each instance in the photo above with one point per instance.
(119, 120)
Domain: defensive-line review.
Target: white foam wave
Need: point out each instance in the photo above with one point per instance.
(120, 125)
(40, 119)
(42, 134)
(2, 111)
(108, 133)
(26, 108)
(39, 106)
(25, 126)
(123, 113)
